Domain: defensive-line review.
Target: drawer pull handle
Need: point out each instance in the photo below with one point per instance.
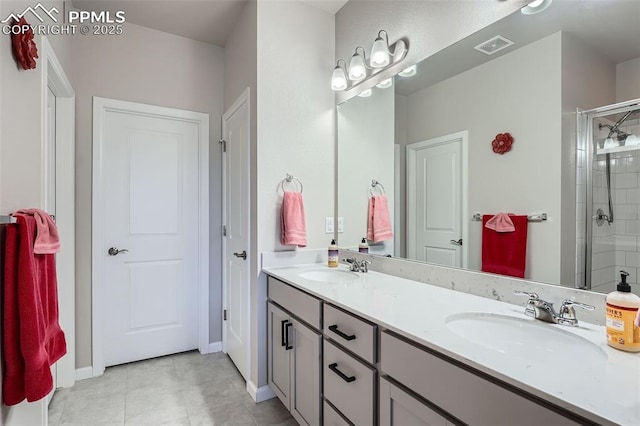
(334, 367)
(334, 328)
(283, 332)
(286, 332)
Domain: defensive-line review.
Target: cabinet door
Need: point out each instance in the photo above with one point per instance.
(279, 334)
(305, 375)
(398, 408)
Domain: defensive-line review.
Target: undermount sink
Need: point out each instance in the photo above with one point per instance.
(531, 340)
(329, 276)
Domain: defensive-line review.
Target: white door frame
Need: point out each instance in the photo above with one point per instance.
(411, 218)
(54, 77)
(245, 97)
(100, 107)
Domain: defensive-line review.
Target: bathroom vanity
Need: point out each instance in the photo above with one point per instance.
(353, 348)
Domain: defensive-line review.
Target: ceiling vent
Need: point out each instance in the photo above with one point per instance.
(493, 45)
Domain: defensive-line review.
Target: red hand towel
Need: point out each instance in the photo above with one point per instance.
(378, 219)
(47, 239)
(294, 228)
(505, 252)
(32, 338)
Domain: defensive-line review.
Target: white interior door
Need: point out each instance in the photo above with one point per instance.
(434, 200)
(149, 231)
(235, 128)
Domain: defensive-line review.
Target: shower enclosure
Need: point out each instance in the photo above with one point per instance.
(608, 196)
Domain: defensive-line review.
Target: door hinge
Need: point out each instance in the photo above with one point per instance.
(224, 230)
(224, 317)
(223, 143)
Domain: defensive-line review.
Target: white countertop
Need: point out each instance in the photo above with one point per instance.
(606, 391)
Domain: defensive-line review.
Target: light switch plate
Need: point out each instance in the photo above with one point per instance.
(340, 225)
(328, 225)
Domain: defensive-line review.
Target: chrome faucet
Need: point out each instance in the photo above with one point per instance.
(357, 266)
(544, 311)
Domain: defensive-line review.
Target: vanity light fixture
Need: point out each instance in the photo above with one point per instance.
(535, 6)
(409, 72)
(361, 68)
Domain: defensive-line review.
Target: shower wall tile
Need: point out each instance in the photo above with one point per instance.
(632, 259)
(626, 180)
(630, 196)
(633, 227)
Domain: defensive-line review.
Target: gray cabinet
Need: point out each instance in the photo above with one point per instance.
(295, 352)
(458, 391)
(398, 408)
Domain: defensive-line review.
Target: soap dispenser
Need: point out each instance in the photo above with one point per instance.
(333, 255)
(363, 247)
(622, 309)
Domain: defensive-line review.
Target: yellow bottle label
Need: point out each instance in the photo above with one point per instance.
(621, 329)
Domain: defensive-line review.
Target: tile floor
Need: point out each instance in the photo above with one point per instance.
(181, 389)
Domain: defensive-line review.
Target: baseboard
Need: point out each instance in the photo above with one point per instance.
(259, 394)
(84, 373)
(215, 347)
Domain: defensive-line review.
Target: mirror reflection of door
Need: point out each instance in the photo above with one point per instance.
(434, 200)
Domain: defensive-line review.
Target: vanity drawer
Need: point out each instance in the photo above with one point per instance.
(299, 303)
(332, 417)
(349, 385)
(355, 334)
(468, 397)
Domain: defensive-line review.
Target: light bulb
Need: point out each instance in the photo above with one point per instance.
(380, 54)
(365, 93)
(409, 72)
(384, 84)
(357, 70)
(535, 6)
(632, 140)
(338, 79)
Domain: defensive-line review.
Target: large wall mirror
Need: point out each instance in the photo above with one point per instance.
(424, 141)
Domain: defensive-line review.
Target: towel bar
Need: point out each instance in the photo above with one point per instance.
(289, 179)
(6, 219)
(536, 217)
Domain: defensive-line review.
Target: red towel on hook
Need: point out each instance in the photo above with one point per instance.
(505, 253)
(32, 337)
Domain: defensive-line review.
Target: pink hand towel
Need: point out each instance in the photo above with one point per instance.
(378, 219)
(294, 228)
(47, 238)
(501, 222)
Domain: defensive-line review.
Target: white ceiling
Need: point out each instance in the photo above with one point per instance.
(210, 21)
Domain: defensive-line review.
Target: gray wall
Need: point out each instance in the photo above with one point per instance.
(156, 68)
(296, 116)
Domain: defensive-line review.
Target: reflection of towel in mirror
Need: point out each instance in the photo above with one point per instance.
(294, 228)
(501, 222)
(378, 219)
(505, 252)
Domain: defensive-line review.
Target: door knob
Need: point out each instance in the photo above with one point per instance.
(114, 251)
(242, 255)
(458, 243)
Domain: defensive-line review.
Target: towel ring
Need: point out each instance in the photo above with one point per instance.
(374, 185)
(290, 179)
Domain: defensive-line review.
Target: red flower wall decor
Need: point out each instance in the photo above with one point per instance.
(24, 47)
(502, 143)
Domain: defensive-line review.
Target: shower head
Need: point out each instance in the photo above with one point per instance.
(614, 129)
